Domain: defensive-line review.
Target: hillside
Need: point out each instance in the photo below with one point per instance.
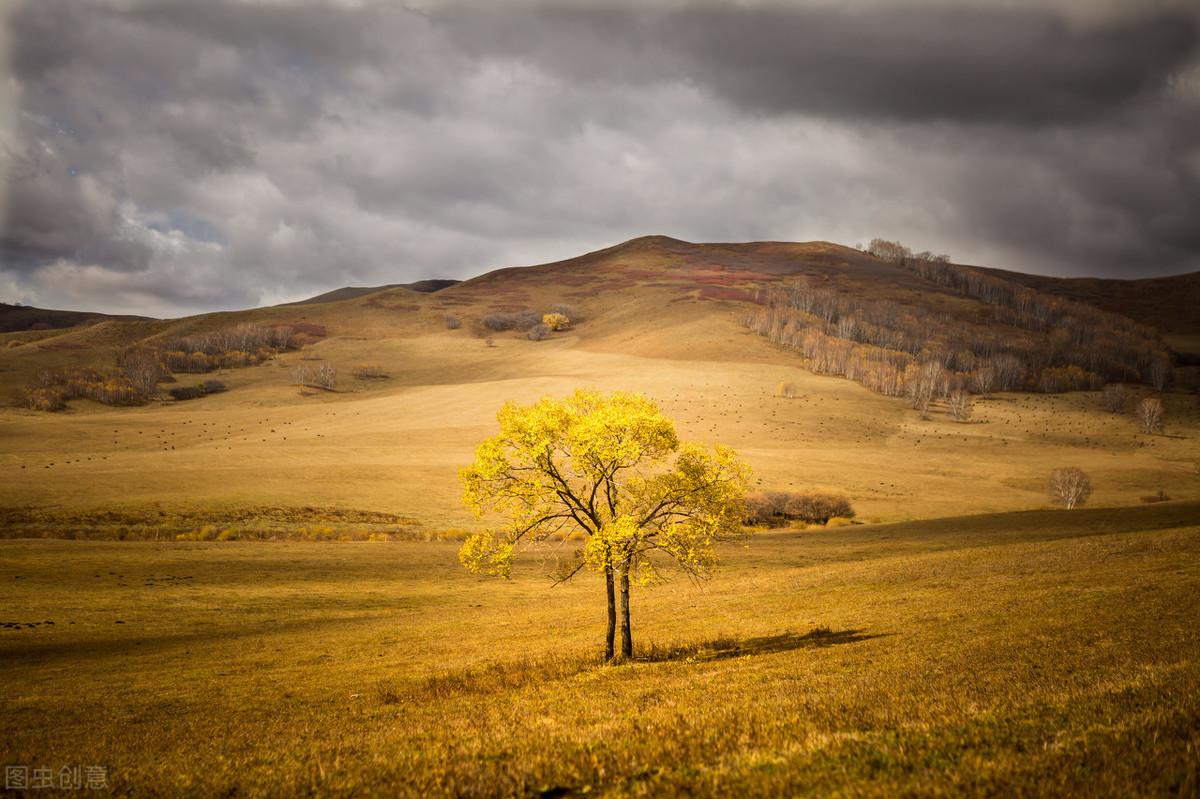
(656, 315)
(26, 317)
(1169, 303)
(353, 292)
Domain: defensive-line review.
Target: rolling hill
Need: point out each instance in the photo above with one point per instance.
(655, 314)
(26, 317)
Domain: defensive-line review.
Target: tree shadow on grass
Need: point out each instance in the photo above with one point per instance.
(723, 648)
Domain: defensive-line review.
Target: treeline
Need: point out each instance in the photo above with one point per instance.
(243, 345)
(139, 370)
(780, 508)
(1028, 340)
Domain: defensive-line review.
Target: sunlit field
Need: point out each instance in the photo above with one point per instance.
(1042, 652)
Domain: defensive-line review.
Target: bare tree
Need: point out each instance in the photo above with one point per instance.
(1150, 414)
(1115, 396)
(960, 406)
(324, 376)
(982, 380)
(143, 368)
(1160, 373)
(1069, 487)
(923, 383)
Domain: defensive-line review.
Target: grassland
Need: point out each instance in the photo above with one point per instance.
(929, 649)
(394, 446)
(1015, 654)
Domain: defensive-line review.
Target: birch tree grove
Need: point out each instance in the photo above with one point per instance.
(612, 468)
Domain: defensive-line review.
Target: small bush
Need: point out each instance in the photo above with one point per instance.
(839, 521)
(522, 320)
(1069, 487)
(324, 376)
(573, 316)
(1150, 415)
(778, 508)
(538, 332)
(787, 390)
(370, 371)
(197, 391)
(228, 534)
(187, 392)
(45, 399)
(1161, 496)
(452, 322)
(818, 508)
(556, 321)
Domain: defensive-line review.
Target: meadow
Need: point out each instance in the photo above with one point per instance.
(1016, 654)
(257, 592)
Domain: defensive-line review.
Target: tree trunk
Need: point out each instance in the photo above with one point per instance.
(626, 630)
(612, 613)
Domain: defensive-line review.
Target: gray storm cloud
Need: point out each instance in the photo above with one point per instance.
(174, 157)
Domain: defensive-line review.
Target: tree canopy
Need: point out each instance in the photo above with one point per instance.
(611, 467)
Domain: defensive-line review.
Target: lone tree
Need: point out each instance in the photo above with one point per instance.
(1150, 414)
(611, 468)
(1069, 487)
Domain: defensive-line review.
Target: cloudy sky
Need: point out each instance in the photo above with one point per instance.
(171, 157)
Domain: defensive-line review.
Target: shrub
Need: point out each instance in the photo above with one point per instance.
(777, 508)
(1150, 414)
(556, 321)
(522, 320)
(46, 399)
(187, 392)
(197, 391)
(538, 332)
(818, 508)
(452, 322)
(573, 316)
(1161, 496)
(324, 376)
(370, 371)
(1069, 487)
(787, 390)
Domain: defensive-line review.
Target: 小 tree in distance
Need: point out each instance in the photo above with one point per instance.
(611, 467)
(1069, 487)
(1150, 414)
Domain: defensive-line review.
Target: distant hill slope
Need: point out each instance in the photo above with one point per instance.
(353, 292)
(1171, 304)
(16, 318)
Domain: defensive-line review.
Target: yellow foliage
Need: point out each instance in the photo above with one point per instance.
(606, 468)
(556, 321)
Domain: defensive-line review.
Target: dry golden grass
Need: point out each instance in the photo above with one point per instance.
(1039, 653)
(1028, 653)
(396, 445)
